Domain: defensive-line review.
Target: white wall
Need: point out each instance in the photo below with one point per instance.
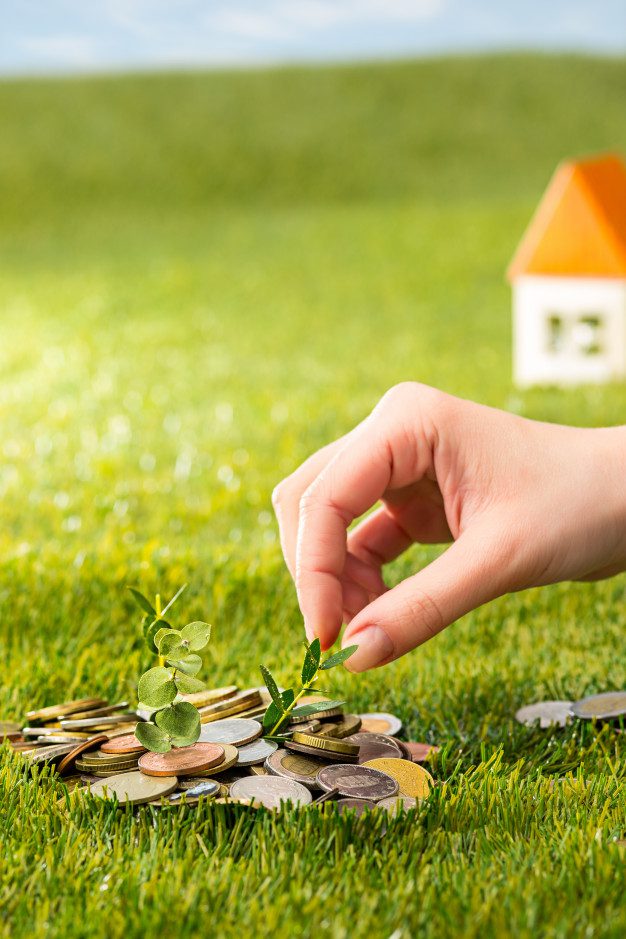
(536, 298)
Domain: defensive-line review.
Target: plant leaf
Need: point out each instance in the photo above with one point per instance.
(188, 685)
(287, 697)
(156, 688)
(304, 710)
(152, 737)
(338, 658)
(272, 687)
(150, 629)
(169, 643)
(142, 601)
(179, 720)
(189, 664)
(272, 715)
(186, 741)
(196, 635)
(311, 661)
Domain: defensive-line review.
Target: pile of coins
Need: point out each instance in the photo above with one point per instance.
(355, 761)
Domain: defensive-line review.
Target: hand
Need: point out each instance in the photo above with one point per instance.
(525, 504)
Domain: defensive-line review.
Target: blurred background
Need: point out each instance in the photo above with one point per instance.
(227, 228)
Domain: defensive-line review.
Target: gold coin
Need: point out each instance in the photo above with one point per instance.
(258, 770)
(68, 707)
(413, 780)
(350, 724)
(134, 788)
(231, 755)
(326, 743)
(210, 696)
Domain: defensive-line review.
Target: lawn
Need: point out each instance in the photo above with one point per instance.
(204, 277)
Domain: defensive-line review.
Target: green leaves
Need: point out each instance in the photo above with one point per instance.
(195, 636)
(311, 662)
(152, 737)
(156, 687)
(181, 721)
(305, 709)
(142, 601)
(272, 687)
(188, 685)
(338, 658)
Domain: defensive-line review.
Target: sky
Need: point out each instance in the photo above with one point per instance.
(67, 36)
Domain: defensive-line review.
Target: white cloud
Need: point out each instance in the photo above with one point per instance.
(66, 49)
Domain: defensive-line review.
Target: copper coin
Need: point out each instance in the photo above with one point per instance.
(375, 746)
(182, 761)
(355, 805)
(68, 762)
(231, 755)
(419, 752)
(358, 782)
(126, 743)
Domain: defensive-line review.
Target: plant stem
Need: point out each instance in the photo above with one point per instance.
(302, 691)
(157, 606)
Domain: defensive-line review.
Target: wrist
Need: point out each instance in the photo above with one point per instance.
(612, 468)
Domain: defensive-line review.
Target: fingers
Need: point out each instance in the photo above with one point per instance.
(469, 573)
(389, 449)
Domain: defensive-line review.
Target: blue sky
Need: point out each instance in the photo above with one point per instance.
(47, 36)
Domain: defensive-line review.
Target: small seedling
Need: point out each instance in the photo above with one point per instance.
(284, 704)
(173, 723)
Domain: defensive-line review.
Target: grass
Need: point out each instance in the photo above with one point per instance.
(204, 278)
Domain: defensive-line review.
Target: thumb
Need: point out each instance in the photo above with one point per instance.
(469, 573)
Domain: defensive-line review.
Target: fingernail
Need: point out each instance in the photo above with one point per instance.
(374, 648)
(310, 632)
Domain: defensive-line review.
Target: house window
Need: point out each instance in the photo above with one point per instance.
(555, 338)
(587, 335)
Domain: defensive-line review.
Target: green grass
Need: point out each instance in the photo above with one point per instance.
(205, 277)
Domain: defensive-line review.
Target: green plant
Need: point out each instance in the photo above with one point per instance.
(285, 703)
(174, 723)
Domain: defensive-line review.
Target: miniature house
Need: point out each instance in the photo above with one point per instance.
(568, 277)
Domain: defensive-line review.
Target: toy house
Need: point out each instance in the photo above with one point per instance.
(568, 278)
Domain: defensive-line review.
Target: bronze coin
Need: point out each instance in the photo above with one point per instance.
(355, 805)
(127, 743)
(374, 746)
(68, 762)
(418, 752)
(358, 782)
(182, 761)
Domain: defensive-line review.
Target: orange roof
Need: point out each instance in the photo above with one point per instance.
(579, 228)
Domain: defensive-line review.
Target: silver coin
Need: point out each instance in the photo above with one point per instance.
(234, 730)
(297, 766)
(270, 791)
(256, 752)
(381, 723)
(51, 754)
(548, 713)
(110, 721)
(357, 782)
(605, 706)
(355, 805)
(206, 788)
(397, 804)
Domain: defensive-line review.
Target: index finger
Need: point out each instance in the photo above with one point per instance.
(388, 452)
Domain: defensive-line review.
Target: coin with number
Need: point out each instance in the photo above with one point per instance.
(182, 761)
(357, 782)
(302, 769)
(381, 723)
(413, 780)
(235, 730)
(548, 713)
(134, 788)
(270, 791)
(256, 752)
(602, 707)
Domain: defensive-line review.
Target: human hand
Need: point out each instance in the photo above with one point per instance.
(525, 504)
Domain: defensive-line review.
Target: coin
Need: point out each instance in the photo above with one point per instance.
(548, 713)
(374, 746)
(102, 758)
(182, 761)
(413, 780)
(258, 770)
(68, 707)
(210, 696)
(326, 744)
(126, 743)
(397, 804)
(256, 752)
(241, 701)
(340, 729)
(9, 730)
(101, 712)
(359, 782)
(311, 728)
(312, 699)
(325, 797)
(231, 755)
(604, 706)
(233, 730)
(270, 791)
(134, 788)
(421, 751)
(190, 782)
(98, 722)
(355, 805)
(51, 754)
(381, 723)
(68, 761)
(327, 755)
(302, 769)
(60, 738)
(101, 772)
